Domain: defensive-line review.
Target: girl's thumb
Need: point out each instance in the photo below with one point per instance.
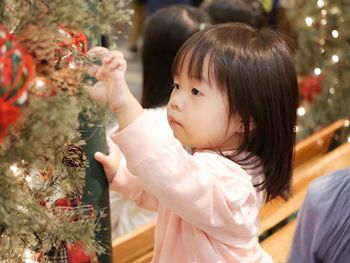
(101, 158)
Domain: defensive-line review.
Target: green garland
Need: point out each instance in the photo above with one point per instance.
(32, 171)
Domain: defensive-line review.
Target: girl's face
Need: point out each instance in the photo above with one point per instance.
(198, 114)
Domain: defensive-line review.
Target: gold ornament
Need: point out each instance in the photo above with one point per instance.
(42, 87)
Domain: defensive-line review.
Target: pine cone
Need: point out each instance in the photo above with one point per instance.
(39, 42)
(74, 156)
(66, 79)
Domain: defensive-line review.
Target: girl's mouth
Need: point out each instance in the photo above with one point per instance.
(172, 120)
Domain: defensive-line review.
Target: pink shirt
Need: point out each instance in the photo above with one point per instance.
(207, 205)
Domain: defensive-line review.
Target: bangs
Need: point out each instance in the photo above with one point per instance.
(191, 58)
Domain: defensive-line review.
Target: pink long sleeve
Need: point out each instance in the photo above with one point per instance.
(128, 185)
(208, 207)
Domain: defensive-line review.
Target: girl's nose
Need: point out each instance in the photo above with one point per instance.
(176, 102)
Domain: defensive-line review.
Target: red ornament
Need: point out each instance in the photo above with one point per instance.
(76, 254)
(75, 251)
(72, 40)
(311, 86)
(16, 72)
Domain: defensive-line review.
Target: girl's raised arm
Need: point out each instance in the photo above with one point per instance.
(112, 88)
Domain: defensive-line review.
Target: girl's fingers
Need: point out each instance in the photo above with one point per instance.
(101, 158)
(98, 93)
(100, 74)
(93, 70)
(110, 165)
(115, 64)
(98, 52)
(112, 55)
(103, 71)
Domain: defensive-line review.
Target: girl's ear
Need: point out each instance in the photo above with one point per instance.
(251, 126)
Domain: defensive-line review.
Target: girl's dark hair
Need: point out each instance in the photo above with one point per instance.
(256, 72)
(164, 34)
(250, 12)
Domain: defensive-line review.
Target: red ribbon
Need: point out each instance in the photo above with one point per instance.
(77, 40)
(9, 114)
(13, 83)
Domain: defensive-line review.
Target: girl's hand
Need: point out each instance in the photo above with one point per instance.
(111, 87)
(111, 161)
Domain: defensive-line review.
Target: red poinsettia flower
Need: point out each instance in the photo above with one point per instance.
(76, 254)
(311, 87)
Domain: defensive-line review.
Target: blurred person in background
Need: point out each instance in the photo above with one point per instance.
(250, 12)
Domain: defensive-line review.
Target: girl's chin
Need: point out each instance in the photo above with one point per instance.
(180, 138)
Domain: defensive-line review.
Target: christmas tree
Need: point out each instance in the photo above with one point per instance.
(43, 60)
(322, 60)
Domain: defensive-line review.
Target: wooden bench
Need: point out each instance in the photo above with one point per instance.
(314, 157)
(136, 246)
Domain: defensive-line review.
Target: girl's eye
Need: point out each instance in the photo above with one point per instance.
(175, 86)
(195, 91)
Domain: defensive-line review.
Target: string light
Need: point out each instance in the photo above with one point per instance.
(323, 21)
(331, 90)
(335, 33)
(309, 21)
(320, 3)
(346, 123)
(22, 209)
(14, 169)
(39, 83)
(29, 256)
(72, 65)
(301, 111)
(335, 58)
(324, 12)
(317, 71)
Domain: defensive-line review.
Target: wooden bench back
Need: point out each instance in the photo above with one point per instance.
(278, 244)
(137, 246)
(307, 152)
(317, 144)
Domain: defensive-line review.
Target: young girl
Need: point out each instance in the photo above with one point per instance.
(234, 104)
(184, 21)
